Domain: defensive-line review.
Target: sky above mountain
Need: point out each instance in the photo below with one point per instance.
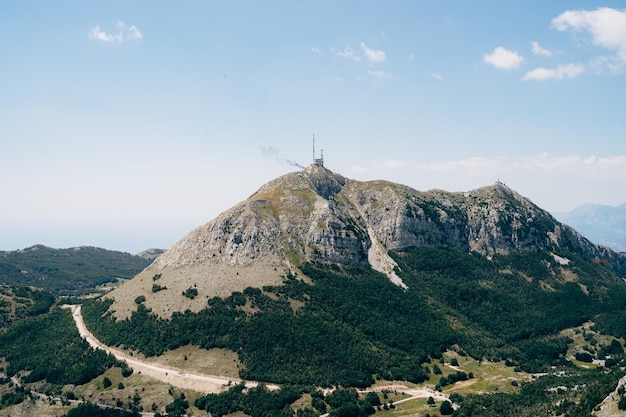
(126, 124)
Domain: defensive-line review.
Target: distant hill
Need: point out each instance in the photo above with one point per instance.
(602, 224)
(72, 271)
(150, 254)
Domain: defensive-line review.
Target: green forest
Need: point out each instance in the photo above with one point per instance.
(575, 394)
(74, 271)
(43, 341)
(353, 326)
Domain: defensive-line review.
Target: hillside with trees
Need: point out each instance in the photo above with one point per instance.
(72, 271)
(484, 308)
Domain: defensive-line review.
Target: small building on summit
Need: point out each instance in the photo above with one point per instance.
(318, 161)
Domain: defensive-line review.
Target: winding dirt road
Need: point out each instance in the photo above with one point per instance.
(179, 378)
(184, 379)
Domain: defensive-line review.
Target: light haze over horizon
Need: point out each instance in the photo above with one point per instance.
(125, 125)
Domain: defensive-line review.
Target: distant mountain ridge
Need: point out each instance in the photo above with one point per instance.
(71, 271)
(602, 224)
(316, 215)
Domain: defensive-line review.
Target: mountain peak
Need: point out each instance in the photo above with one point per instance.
(316, 215)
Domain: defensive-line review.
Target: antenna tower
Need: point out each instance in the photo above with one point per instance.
(317, 161)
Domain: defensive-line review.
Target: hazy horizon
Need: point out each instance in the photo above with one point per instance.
(124, 125)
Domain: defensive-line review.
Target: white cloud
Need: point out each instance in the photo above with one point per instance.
(436, 76)
(411, 57)
(97, 34)
(373, 55)
(347, 52)
(316, 50)
(122, 33)
(539, 50)
(378, 74)
(558, 73)
(593, 166)
(134, 33)
(474, 166)
(390, 164)
(544, 162)
(503, 58)
(358, 169)
(605, 26)
(554, 182)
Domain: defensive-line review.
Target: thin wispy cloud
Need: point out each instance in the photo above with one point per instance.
(436, 76)
(547, 162)
(479, 166)
(390, 164)
(121, 34)
(539, 50)
(561, 72)
(358, 169)
(316, 50)
(373, 55)
(604, 27)
(503, 58)
(347, 52)
(378, 74)
(473, 166)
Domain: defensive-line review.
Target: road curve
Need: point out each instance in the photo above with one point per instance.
(179, 378)
(185, 379)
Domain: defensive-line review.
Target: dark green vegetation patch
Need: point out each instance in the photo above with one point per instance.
(574, 394)
(92, 410)
(71, 271)
(49, 348)
(19, 303)
(351, 324)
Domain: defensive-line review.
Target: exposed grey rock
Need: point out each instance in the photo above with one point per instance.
(319, 216)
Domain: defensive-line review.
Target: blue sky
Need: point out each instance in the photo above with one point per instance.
(126, 124)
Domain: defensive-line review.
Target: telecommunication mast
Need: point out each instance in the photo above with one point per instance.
(317, 161)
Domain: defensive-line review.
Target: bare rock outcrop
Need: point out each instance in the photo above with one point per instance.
(315, 215)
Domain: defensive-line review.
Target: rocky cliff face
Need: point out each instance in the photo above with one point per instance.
(317, 215)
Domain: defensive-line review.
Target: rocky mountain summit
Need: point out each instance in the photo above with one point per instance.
(316, 215)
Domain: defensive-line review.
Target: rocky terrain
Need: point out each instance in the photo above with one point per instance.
(315, 215)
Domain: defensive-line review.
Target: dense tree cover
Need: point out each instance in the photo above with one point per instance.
(261, 402)
(613, 323)
(18, 303)
(92, 410)
(445, 409)
(254, 402)
(178, 407)
(523, 300)
(67, 271)
(575, 395)
(353, 324)
(15, 396)
(50, 347)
